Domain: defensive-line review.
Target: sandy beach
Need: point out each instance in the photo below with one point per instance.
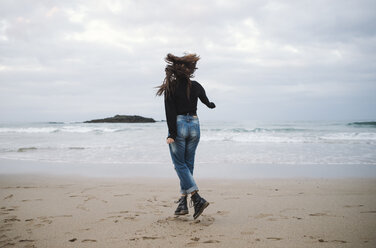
(76, 211)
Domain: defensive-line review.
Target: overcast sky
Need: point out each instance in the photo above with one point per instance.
(260, 60)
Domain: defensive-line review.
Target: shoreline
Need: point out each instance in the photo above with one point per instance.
(78, 211)
(224, 171)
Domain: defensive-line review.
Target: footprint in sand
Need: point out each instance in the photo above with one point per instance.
(11, 219)
(119, 217)
(353, 206)
(25, 240)
(191, 244)
(338, 241)
(319, 214)
(8, 196)
(205, 221)
(73, 196)
(129, 218)
(291, 209)
(281, 217)
(63, 215)
(6, 225)
(5, 210)
(332, 241)
(7, 243)
(146, 238)
(211, 241)
(223, 212)
(27, 200)
(272, 219)
(119, 195)
(151, 237)
(82, 207)
(298, 218)
(114, 216)
(274, 238)
(84, 229)
(175, 219)
(262, 215)
(87, 189)
(45, 219)
(119, 212)
(88, 240)
(4, 238)
(89, 197)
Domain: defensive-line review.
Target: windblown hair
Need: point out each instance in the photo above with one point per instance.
(178, 69)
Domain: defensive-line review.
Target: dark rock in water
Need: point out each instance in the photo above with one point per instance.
(365, 123)
(123, 119)
(25, 149)
(55, 122)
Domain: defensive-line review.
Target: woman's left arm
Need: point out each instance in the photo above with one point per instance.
(170, 109)
(204, 99)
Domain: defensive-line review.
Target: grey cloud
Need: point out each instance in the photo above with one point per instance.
(106, 56)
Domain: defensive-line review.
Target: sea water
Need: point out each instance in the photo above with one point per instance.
(222, 143)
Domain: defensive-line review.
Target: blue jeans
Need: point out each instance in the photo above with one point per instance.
(183, 151)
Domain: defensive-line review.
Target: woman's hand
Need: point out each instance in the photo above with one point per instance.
(211, 105)
(170, 140)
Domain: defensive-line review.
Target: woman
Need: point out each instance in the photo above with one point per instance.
(181, 94)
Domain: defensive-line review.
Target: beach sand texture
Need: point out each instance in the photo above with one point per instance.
(52, 211)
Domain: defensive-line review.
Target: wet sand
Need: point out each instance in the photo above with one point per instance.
(76, 211)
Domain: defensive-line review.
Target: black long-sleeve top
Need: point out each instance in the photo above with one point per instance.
(178, 103)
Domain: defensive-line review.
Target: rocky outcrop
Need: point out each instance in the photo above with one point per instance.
(364, 123)
(123, 119)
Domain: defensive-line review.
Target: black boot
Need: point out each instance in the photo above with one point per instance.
(182, 208)
(199, 204)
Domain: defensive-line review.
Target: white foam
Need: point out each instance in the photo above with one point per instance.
(220, 143)
(28, 130)
(350, 136)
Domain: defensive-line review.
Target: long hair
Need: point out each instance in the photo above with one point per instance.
(177, 69)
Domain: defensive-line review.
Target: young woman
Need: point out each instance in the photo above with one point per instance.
(181, 94)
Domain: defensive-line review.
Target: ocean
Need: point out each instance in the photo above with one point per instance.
(221, 143)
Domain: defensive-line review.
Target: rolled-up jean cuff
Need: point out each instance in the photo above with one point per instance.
(188, 191)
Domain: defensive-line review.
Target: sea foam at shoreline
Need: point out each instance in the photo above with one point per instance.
(221, 143)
